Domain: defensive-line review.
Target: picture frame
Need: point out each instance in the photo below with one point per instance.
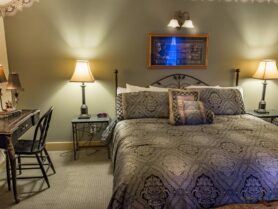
(178, 51)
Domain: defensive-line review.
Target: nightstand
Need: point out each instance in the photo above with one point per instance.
(88, 131)
(271, 115)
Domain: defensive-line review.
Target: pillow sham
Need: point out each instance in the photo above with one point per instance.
(176, 101)
(119, 107)
(217, 87)
(222, 101)
(234, 87)
(143, 104)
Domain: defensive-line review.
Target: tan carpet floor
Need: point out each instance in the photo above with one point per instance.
(81, 184)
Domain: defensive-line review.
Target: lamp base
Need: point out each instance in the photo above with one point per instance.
(84, 112)
(261, 111)
(262, 107)
(84, 116)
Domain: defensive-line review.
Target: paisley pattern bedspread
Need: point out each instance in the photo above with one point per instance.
(160, 166)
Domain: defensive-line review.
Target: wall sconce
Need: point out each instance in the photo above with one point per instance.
(181, 20)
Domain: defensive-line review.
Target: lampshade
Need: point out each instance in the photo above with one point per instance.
(14, 82)
(267, 70)
(2, 75)
(188, 24)
(82, 72)
(174, 23)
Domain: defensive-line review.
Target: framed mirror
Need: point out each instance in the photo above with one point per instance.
(10, 7)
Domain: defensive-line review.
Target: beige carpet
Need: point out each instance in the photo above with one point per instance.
(85, 183)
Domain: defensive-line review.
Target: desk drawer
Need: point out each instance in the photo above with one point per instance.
(22, 128)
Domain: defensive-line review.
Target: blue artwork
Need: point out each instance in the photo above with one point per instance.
(178, 51)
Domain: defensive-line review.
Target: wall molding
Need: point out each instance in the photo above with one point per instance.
(61, 146)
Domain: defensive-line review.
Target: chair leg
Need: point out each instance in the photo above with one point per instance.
(49, 160)
(19, 164)
(8, 171)
(42, 169)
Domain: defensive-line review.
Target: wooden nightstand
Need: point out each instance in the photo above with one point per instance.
(271, 115)
(89, 130)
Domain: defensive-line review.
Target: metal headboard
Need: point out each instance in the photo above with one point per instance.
(177, 80)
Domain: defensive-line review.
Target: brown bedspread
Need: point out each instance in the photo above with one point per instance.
(157, 165)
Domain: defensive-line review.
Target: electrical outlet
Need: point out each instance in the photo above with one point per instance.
(93, 129)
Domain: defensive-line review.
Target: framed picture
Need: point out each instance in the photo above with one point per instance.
(182, 51)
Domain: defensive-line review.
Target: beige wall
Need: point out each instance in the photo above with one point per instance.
(43, 42)
(4, 61)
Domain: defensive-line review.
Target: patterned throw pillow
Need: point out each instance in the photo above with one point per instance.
(192, 113)
(143, 104)
(222, 101)
(177, 99)
(119, 107)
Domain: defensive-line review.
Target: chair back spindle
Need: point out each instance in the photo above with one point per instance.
(41, 131)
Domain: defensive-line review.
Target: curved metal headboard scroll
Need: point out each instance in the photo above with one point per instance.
(178, 81)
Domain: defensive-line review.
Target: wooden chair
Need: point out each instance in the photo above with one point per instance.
(34, 148)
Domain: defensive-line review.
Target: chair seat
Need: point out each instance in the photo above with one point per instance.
(24, 146)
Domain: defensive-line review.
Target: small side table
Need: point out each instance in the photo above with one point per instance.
(91, 128)
(271, 115)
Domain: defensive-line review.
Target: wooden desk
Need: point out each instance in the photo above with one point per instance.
(11, 128)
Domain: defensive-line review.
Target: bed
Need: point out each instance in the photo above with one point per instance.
(158, 165)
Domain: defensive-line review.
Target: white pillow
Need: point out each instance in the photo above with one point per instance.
(196, 87)
(121, 90)
(132, 88)
(159, 89)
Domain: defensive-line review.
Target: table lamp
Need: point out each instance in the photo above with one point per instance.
(2, 80)
(267, 70)
(14, 85)
(83, 74)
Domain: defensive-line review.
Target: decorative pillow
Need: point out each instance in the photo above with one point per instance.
(192, 113)
(234, 87)
(222, 101)
(217, 87)
(143, 104)
(119, 107)
(176, 101)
